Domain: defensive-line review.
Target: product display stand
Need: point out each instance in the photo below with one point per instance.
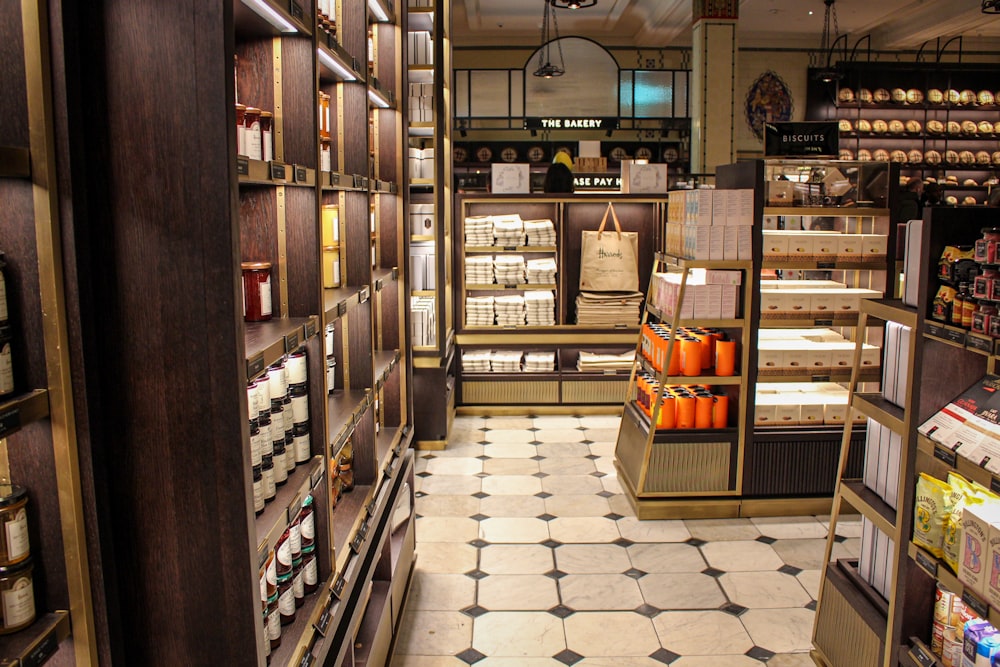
(483, 331)
(941, 361)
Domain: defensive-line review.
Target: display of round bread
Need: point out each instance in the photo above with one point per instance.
(845, 95)
(952, 96)
(969, 201)
(916, 157)
(864, 155)
(932, 157)
(966, 157)
(913, 126)
(995, 157)
(954, 127)
(845, 125)
(985, 98)
(970, 183)
(951, 156)
(951, 200)
(846, 154)
(982, 157)
(881, 96)
(863, 125)
(914, 96)
(881, 155)
(969, 127)
(935, 96)
(898, 156)
(898, 95)
(985, 127)
(967, 97)
(897, 126)
(879, 126)
(935, 127)
(865, 96)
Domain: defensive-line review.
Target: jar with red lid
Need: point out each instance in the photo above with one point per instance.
(256, 291)
(241, 130)
(251, 121)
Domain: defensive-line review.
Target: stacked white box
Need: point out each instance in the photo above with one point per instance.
(509, 310)
(421, 48)
(479, 311)
(508, 269)
(422, 220)
(541, 271)
(423, 321)
(540, 232)
(540, 308)
(895, 364)
(478, 270)
(508, 230)
(423, 265)
(539, 362)
(476, 361)
(506, 361)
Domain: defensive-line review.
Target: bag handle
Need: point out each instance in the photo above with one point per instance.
(604, 221)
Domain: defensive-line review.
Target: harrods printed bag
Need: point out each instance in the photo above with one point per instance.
(609, 259)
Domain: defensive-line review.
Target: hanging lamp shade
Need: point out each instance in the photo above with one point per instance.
(546, 67)
(572, 4)
(828, 42)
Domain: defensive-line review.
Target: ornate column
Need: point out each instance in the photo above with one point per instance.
(713, 97)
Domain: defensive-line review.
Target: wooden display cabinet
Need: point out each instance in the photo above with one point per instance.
(564, 386)
(158, 212)
(943, 361)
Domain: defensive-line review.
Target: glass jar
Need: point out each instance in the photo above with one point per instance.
(296, 370)
(273, 622)
(981, 317)
(307, 523)
(280, 465)
(283, 555)
(17, 594)
(286, 599)
(300, 406)
(346, 471)
(241, 130)
(256, 291)
(6, 361)
(325, 155)
(258, 490)
(267, 478)
(310, 571)
(298, 585)
(14, 545)
(266, 136)
(251, 121)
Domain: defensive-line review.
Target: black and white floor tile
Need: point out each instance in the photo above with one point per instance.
(529, 555)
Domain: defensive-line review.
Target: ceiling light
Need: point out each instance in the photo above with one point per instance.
(546, 68)
(572, 4)
(269, 14)
(991, 6)
(828, 43)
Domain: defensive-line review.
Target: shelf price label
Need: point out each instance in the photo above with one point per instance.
(365, 294)
(338, 587)
(310, 328)
(978, 343)
(295, 9)
(341, 308)
(277, 171)
(994, 484)
(823, 323)
(255, 367)
(356, 543)
(820, 378)
(955, 336)
(946, 455)
(323, 622)
(307, 660)
(42, 651)
(300, 173)
(292, 341)
(242, 165)
(921, 655)
(926, 562)
(335, 179)
(10, 420)
(976, 604)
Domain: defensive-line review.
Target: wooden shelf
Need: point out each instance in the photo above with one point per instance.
(335, 63)
(420, 73)
(421, 129)
(819, 375)
(34, 645)
(19, 411)
(683, 262)
(510, 249)
(938, 569)
(869, 504)
(875, 264)
(797, 322)
(343, 410)
(15, 162)
(420, 18)
(385, 361)
(517, 288)
(685, 379)
(834, 211)
(704, 323)
(337, 302)
(890, 310)
(257, 172)
(267, 342)
(960, 338)
(881, 410)
(250, 23)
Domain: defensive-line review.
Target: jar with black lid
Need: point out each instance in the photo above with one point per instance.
(17, 597)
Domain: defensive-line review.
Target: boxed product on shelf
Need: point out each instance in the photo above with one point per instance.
(601, 361)
(421, 51)
(702, 300)
(509, 310)
(479, 270)
(711, 207)
(540, 232)
(423, 265)
(539, 308)
(608, 309)
(800, 404)
(540, 361)
(913, 260)
(476, 361)
(422, 220)
(479, 311)
(823, 246)
(895, 363)
(968, 424)
(508, 230)
(507, 178)
(423, 323)
(508, 269)
(817, 303)
(973, 566)
(883, 454)
(505, 361)
(541, 271)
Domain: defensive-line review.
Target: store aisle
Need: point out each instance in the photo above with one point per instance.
(529, 555)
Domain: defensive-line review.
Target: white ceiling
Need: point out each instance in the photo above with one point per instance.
(893, 24)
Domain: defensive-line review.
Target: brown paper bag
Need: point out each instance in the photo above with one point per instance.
(608, 260)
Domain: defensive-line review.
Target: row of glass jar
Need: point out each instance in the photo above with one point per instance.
(278, 409)
(254, 136)
(289, 574)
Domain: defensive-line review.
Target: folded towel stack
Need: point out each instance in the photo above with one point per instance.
(540, 232)
(508, 269)
(509, 310)
(540, 308)
(479, 270)
(506, 361)
(539, 362)
(479, 311)
(508, 230)
(479, 230)
(541, 271)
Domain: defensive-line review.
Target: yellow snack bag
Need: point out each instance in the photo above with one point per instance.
(931, 509)
(963, 493)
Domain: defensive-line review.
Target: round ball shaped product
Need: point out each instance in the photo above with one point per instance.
(969, 127)
(935, 127)
(951, 156)
(898, 95)
(935, 96)
(954, 127)
(845, 95)
(879, 126)
(865, 96)
(995, 157)
(951, 179)
(951, 200)
(932, 157)
(985, 98)
(913, 126)
(930, 179)
(970, 183)
(985, 127)
(916, 157)
(863, 126)
(845, 125)
(897, 126)
(967, 97)
(881, 155)
(969, 201)
(996, 127)
(846, 154)
(881, 96)
(898, 156)
(967, 157)
(982, 157)
(952, 96)
(914, 96)
(864, 155)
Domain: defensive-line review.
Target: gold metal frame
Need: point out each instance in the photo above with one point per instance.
(34, 16)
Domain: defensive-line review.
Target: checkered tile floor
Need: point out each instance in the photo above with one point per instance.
(529, 555)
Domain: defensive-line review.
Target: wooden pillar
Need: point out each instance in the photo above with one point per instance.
(713, 97)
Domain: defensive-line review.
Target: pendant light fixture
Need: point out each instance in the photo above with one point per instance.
(575, 4)
(546, 68)
(828, 42)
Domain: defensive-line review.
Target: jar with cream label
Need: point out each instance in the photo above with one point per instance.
(14, 546)
(17, 597)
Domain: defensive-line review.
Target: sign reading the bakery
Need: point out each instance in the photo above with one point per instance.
(817, 139)
(715, 9)
(570, 123)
